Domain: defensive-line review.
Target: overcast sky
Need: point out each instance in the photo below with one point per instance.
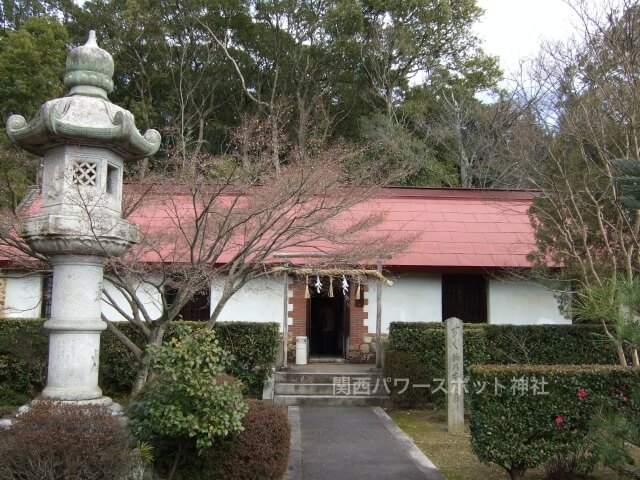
(513, 29)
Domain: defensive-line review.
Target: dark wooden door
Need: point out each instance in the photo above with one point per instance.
(464, 297)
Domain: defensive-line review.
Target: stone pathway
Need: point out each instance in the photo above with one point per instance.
(358, 443)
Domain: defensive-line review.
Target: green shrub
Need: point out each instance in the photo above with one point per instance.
(254, 347)
(52, 441)
(615, 436)
(190, 398)
(260, 452)
(520, 429)
(9, 397)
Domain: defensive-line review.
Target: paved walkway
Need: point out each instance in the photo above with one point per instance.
(355, 443)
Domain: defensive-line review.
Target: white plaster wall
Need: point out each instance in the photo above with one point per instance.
(521, 303)
(260, 300)
(411, 298)
(23, 296)
(145, 291)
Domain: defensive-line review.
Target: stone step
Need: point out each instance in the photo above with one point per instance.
(327, 377)
(326, 360)
(327, 389)
(332, 400)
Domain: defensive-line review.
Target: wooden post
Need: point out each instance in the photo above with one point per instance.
(379, 318)
(285, 321)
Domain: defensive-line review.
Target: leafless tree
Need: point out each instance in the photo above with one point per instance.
(220, 221)
(589, 104)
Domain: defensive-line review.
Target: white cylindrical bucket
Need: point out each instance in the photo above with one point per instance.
(301, 350)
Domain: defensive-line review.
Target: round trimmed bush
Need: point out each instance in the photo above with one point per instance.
(54, 440)
(260, 452)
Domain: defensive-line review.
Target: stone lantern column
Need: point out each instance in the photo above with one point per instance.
(84, 140)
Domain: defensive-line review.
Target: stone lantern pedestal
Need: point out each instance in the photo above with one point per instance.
(84, 141)
(74, 328)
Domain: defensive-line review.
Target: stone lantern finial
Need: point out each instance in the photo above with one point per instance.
(89, 70)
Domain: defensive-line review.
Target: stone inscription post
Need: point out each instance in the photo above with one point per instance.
(84, 140)
(455, 376)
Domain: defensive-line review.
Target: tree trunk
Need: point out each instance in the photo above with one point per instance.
(144, 166)
(622, 359)
(516, 473)
(463, 159)
(388, 100)
(216, 311)
(275, 142)
(303, 119)
(144, 370)
(141, 377)
(621, 356)
(244, 147)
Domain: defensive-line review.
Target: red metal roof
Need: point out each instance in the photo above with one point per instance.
(453, 227)
(461, 227)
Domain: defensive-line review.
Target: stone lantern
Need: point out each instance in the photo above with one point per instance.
(84, 140)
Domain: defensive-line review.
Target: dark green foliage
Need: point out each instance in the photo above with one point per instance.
(615, 435)
(522, 431)
(422, 345)
(60, 440)
(11, 398)
(405, 365)
(254, 347)
(31, 66)
(23, 360)
(118, 366)
(319, 74)
(189, 398)
(548, 344)
(24, 350)
(260, 452)
(629, 181)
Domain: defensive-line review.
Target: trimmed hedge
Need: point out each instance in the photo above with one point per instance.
(422, 346)
(417, 353)
(24, 352)
(522, 428)
(253, 345)
(23, 361)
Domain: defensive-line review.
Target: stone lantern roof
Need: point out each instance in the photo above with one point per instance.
(85, 116)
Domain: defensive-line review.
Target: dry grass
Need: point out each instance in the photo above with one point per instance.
(452, 453)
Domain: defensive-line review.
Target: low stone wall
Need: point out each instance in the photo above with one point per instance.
(364, 352)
